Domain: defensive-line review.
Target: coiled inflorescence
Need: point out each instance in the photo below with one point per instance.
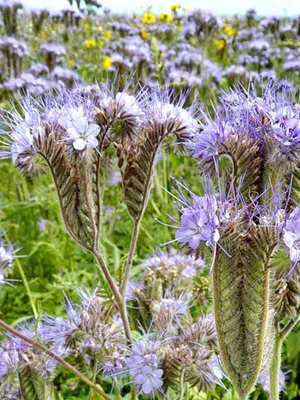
(252, 150)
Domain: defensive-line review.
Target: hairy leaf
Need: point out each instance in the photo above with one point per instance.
(241, 300)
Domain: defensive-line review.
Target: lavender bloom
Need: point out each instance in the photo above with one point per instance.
(115, 178)
(286, 127)
(22, 132)
(206, 144)
(199, 222)
(65, 75)
(291, 235)
(53, 48)
(143, 366)
(7, 256)
(188, 265)
(264, 381)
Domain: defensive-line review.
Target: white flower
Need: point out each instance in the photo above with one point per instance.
(22, 140)
(24, 133)
(127, 104)
(79, 130)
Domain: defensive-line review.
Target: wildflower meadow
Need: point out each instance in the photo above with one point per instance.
(149, 204)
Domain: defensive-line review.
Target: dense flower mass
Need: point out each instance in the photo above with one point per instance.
(199, 222)
(143, 366)
(106, 107)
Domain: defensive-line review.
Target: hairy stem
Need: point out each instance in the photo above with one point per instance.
(45, 350)
(274, 369)
(120, 300)
(134, 238)
(95, 370)
(289, 326)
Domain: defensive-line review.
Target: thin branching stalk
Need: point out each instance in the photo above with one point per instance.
(276, 358)
(26, 284)
(27, 287)
(45, 350)
(120, 301)
(289, 326)
(134, 239)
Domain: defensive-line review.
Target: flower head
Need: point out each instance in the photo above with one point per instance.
(106, 62)
(79, 131)
(23, 130)
(286, 127)
(149, 18)
(199, 222)
(143, 365)
(291, 235)
(264, 381)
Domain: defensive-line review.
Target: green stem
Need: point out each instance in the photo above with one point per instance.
(134, 238)
(256, 394)
(289, 326)
(120, 300)
(26, 284)
(274, 369)
(95, 368)
(61, 361)
(27, 287)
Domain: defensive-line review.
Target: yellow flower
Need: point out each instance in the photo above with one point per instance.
(86, 26)
(175, 7)
(90, 44)
(149, 18)
(166, 17)
(106, 62)
(229, 31)
(221, 44)
(71, 63)
(100, 28)
(107, 34)
(145, 35)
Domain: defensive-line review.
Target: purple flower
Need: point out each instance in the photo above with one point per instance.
(286, 128)
(264, 381)
(205, 145)
(199, 222)
(23, 131)
(6, 255)
(53, 48)
(291, 235)
(143, 366)
(188, 265)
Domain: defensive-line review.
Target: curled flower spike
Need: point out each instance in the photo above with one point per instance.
(121, 114)
(170, 117)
